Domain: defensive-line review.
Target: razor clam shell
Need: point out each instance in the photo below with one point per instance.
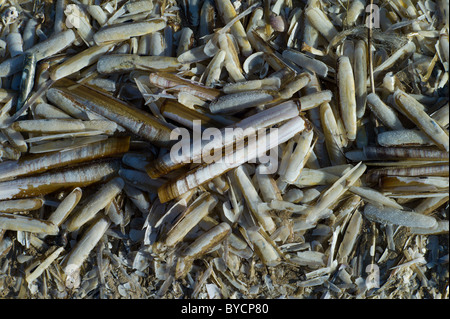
(360, 71)
(254, 202)
(48, 111)
(394, 216)
(306, 62)
(20, 205)
(166, 80)
(51, 181)
(374, 197)
(313, 100)
(320, 22)
(264, 119)
(79, 61)
(384, 112)
(336, 190)
(65, 207)
(227, 13)
(65, 144)
(265, 250)
(42, 50)
(400, 54)
(109, 147)
(333, 141)
(131, 118)
(28, 224)
(124, 31)
(80, 252)
(298, 157)
(48, 126)
(396, 153)
(414, 110)
(128, 62)
(271, 83)
(233, 103)
(204, 174)
(98, 201)
(441, 227)
(374, 175)
(347, 96)
(350, 236)
(198, 210)
(403, 138)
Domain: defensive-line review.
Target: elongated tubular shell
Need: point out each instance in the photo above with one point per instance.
(128, 62)
(415, 112)
(413, 184)
(355, 9)
(48, 126)
(207, 240)
(347, 97)
(227, 13)
(79, 61)
(203, 174)
(83, 247)
(334, 192)
(373, 196)
(185, 115)
(100, 199)
(264, 249)
(388, 215)
(20, 205)
(124, 31)
(42, 265)
(166, 80)
(395, 153)
(321, 23)
(25, 223)
(107, 148)
(42, 50)
(196, 212)
(394, 59)
(298, 157)
(65, 207)
(351, 234)
(137, 121)
(201, 246)
(374, 175)
(306, 61)
(232, 103)
(52, 181)
(403, 138)
(266, 118)
(360, 72)
(253, 200)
